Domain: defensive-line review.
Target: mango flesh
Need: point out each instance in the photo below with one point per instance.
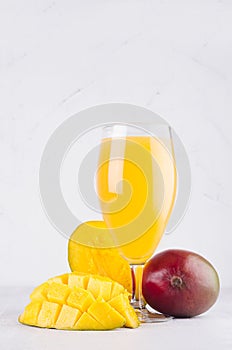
(101, 261)
(78, 301)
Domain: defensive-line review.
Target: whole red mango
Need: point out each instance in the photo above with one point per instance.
(180, 283)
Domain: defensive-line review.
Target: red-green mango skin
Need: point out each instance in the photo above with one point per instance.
(198, 292)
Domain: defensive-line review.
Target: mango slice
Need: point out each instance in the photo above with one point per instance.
(101, 261)
(79, 301)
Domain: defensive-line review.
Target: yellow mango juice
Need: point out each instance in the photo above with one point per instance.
(136, 184)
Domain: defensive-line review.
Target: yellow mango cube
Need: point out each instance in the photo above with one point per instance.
(116, 290)
(122, 305)
(87, 322)
(62, 279)
(78, 280)
(80, 299)
(48, 314)
(68, 317)
(40, 292)
(106, 315)
(100, 287)
(31, 313)
(57, 293)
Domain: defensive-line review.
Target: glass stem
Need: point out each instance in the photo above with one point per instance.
(137, 300)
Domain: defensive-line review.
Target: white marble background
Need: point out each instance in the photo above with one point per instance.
(58, 57)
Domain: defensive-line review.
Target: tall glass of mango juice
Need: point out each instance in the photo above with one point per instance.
(136, 185)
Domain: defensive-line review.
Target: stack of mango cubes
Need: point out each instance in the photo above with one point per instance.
(76, 301)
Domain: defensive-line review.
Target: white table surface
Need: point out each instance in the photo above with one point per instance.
(212, 330)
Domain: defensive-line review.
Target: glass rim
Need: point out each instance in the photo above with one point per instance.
(151, 130)
(135, 123)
